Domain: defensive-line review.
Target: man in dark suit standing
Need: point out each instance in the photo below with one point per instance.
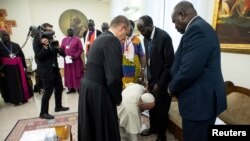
(197, 79)
(48, 70)
(160, 57)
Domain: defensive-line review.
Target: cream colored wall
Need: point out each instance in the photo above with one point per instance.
(236, 68)
(117, 7)
(36, 12)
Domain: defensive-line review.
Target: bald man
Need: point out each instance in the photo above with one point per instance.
(197, 79)
(105, 26)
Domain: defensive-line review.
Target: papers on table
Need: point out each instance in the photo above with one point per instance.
(47, 134)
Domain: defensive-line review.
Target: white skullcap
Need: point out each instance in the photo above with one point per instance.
(147, 98)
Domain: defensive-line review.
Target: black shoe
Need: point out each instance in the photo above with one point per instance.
(6, 101)
(61, 109)
(25, 101)
(161, 137)
(46, 116)
(35, 90)
(71, 91)
(147, 132)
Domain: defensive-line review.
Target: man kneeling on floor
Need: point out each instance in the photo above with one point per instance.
(134, 100)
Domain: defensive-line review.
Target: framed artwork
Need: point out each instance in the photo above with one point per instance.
(75, 19)
(231, 20)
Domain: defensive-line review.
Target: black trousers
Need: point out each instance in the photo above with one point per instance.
(38, 86)
(159, 114)
(196, 130)
(52, 83)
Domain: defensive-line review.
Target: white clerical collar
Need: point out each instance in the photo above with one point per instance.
(152, 34)
(190, 22)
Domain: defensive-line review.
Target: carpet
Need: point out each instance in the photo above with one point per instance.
(38, 123)
(145, 124)
(67, 119)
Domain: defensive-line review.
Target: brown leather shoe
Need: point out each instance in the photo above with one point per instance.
(147, 132)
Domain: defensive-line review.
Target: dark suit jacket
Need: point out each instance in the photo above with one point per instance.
(1, 68)
(161, 60)
(196, 73)
(46, 59)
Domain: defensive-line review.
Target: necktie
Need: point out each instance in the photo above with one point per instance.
(150, 46)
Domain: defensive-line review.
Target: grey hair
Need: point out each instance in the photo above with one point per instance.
(120, 20)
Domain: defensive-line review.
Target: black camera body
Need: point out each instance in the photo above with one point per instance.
(54, 43)
(41, 33)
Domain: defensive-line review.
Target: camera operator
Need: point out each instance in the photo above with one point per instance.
(46, 50)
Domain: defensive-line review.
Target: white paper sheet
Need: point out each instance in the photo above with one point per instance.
(47, 134)
(68, 60)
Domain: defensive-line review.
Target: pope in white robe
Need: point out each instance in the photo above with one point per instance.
(129, 112)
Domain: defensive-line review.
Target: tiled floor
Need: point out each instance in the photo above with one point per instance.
(10, 114)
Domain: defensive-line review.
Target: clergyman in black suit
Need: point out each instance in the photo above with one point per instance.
(90, 35)
(160, 57)
(197, 79)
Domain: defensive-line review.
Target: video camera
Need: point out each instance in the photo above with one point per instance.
(42, 33)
